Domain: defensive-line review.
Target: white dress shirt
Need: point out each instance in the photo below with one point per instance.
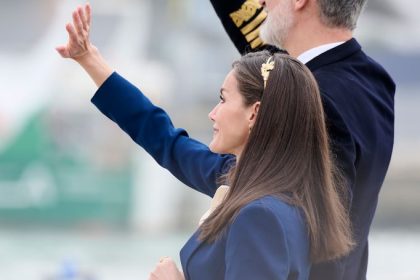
(314, 52)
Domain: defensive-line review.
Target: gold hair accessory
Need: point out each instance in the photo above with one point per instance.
(266, 69)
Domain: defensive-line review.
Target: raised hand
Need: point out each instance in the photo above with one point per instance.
(80, 48)
(79, 43)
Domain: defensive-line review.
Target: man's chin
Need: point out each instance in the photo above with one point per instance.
(267, 37)
(273, 33)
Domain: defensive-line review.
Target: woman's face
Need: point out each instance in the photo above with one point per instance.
(232, 119)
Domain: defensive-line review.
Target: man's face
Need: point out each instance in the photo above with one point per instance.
(276, 27)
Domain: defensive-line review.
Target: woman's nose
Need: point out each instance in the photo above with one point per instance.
(212, 113)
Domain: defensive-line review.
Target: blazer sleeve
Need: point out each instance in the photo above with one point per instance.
(343, 147)
(149, 126)
(242, 20)
(256, 246)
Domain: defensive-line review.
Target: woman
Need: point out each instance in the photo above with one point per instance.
(283, 210)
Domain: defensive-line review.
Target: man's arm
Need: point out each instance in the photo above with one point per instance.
(342, 146)
(242, 20)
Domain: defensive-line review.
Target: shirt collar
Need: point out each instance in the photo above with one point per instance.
(314, 52)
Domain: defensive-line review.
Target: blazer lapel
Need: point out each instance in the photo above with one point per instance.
(188, 251)
(193, 243)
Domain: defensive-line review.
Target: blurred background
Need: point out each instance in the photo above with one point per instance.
(79, 199)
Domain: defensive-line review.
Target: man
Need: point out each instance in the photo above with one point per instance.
(357, 92)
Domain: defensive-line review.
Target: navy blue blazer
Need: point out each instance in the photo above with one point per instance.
(268, 240)
(358, 97)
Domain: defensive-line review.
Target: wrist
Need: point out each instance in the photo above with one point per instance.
(95, 65)
(89, 56)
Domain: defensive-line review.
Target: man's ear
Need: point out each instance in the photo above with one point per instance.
(254, 113)
(300, 4)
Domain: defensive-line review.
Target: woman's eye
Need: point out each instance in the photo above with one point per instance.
(222, 100)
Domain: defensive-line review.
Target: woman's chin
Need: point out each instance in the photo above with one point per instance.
(213, 148)
(216, 149)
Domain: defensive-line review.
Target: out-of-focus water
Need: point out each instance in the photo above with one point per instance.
(394, 255)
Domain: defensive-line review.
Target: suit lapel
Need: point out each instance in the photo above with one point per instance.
(336, 54)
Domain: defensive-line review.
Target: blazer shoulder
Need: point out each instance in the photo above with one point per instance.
(270, 236)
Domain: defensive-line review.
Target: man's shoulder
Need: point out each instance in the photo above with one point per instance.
(355, 65)
(353, 73)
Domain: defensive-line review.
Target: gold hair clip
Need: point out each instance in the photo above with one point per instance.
(266, 69)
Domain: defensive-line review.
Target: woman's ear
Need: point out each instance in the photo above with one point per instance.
(254, 113)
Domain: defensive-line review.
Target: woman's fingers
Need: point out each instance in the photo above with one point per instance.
(166, 269)
(83, 19)
(73, 37)
(77, 23)
(78, 32)
(63, 51)
(88, 12)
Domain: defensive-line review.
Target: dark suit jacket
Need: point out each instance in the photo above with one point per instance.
(358, 97)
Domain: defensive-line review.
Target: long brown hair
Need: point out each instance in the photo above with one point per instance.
(287, 155)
